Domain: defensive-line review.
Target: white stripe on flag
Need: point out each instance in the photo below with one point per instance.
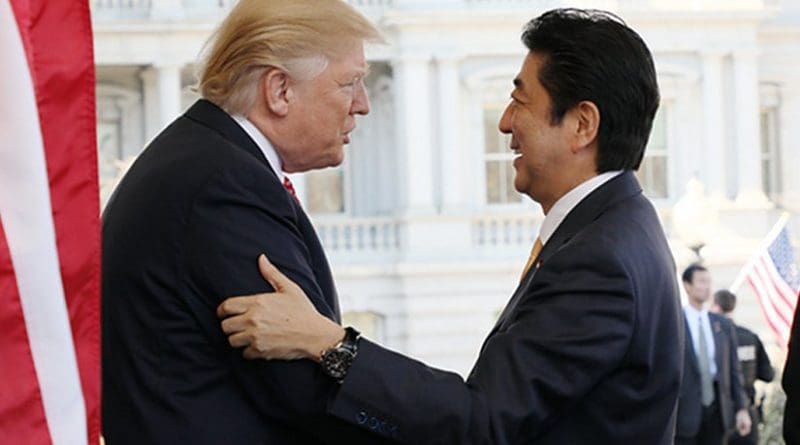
(764, 269)
(771, 297)
(772, 292)
(782, 289)
(763, 287)
(28, 221)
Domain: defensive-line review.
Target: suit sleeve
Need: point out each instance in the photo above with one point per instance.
(237, 216)
(568, 332)
(740, 399)
(791, 384)
(764, 370)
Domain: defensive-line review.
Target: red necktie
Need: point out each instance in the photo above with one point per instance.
(287, 184)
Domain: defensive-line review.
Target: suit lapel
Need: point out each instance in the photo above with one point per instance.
(213, 117)
(590, 208)
(719, 341)
(691, 355)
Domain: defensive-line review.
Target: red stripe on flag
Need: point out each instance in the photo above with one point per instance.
(769, 310)
(22, 418)
(769, 292)
(58, 40)
(776, 326)
(781, 289)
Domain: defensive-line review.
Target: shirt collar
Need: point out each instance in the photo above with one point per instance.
(261, 141)
(566, 203)
(694, 313)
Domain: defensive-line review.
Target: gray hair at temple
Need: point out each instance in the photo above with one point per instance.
(296, 36)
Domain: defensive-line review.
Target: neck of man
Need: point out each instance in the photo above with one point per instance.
(697, 304)
(567, 186)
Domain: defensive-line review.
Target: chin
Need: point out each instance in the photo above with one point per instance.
(337, 158)
(520, 185)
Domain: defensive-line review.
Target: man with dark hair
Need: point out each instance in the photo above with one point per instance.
(753, 360)
(711, 399)
(589, 348)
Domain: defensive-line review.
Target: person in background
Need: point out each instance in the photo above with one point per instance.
(754, 360)
(712, 399)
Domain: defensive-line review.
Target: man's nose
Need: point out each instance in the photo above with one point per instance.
(505, 121)
(361, 99)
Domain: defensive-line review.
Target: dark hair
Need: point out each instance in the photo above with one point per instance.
(688, 274)
(725, 299)
(592, 55)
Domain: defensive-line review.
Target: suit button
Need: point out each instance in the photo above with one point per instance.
(374, 423)
(362, 418)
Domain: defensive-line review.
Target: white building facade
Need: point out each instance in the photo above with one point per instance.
(424, 230)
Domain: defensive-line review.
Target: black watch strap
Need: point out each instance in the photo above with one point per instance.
(351, 337)
(336, 361)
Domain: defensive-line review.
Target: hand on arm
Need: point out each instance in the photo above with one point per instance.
(280, 325)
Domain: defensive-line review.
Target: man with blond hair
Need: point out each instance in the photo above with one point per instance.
(282, 82)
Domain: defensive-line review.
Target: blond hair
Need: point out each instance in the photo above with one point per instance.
(297, 36)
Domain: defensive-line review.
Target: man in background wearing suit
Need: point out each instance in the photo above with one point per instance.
(791, 384)
(753, 359)
(282, 84)
(711, 398)
(589, 348)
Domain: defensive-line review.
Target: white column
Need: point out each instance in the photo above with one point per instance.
(788, 133)
(747, 129)
(424, 237)
(150, 107)
(714, 125)
(413, 123)
(162, 97)
(451, 169)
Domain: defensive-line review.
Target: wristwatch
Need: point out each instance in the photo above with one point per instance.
(336, 361)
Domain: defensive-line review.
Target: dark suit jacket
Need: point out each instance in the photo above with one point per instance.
(183, 231)
(791, 384)
(588, 351)
(754, 361)
(730, 394)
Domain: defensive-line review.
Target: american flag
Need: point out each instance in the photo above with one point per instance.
(774, 277)
(49, 225)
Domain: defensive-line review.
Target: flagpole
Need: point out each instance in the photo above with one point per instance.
(773, 233)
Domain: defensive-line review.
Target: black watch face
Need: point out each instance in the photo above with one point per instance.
(336, 362)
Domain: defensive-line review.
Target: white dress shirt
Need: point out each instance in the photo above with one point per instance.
(566, 203)
(262, 142)
(693, 319)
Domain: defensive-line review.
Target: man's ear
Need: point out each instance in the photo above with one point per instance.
(587, 117)
(276, 88)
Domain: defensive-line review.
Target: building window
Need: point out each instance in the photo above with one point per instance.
(653, 174)
(370, 324)
(325, 191)
(770, 171)
(498, 160)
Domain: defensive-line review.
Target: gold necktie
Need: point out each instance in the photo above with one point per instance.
(537, 247)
